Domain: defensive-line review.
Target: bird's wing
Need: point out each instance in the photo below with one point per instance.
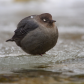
(23, 28)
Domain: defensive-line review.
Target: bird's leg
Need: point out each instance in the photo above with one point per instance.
(42, 54)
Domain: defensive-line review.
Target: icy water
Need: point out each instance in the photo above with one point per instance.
(67, 57)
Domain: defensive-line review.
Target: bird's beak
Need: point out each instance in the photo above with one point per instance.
(51, 21)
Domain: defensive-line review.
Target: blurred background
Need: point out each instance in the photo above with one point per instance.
(67, 13)
(69, 16)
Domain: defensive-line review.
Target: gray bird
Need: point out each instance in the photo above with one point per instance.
(36, 34)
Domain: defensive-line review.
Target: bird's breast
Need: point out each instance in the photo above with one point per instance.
(39, 39)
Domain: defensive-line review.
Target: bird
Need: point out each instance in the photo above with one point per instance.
(36, 34)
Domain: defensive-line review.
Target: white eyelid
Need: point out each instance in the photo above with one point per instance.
(44, 20)
(32, 17)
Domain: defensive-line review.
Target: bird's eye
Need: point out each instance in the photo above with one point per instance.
(44, 20)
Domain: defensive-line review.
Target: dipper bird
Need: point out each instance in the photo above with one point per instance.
(36, 34)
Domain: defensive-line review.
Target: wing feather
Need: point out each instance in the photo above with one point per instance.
(24, 28)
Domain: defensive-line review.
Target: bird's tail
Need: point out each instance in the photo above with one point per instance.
(10, 40)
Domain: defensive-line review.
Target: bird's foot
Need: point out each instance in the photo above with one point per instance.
(42, 54)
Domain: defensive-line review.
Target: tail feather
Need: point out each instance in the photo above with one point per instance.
(10, 40)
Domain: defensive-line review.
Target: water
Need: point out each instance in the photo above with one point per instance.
(66, 56)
